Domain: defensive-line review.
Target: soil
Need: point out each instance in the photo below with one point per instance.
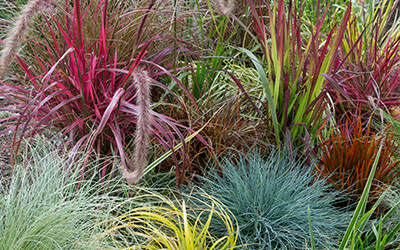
(5, 165)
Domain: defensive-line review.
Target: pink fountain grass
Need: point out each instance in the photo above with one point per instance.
(87, 95)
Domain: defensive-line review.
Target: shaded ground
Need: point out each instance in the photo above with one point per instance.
(5, 140)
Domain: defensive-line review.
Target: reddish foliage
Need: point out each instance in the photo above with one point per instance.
(294, 64)
(347, 158)
(368, 76)
(85, 93)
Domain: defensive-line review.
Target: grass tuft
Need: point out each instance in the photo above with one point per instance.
(43, 209)
(155, 221)
(270, 199)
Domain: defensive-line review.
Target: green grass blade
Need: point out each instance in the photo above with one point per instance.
(352, 229)
(264, 81)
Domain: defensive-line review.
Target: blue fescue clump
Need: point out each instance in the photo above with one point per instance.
(270, 199)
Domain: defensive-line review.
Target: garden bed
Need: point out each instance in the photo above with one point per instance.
(192, 124)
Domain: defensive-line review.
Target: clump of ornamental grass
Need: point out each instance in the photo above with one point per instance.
(226, 120)
(270, 198)
(155, 221)
(82, 90)
(226, 129)
(367, 78)
(364, 232)
(291, 65)
(132, 25)
(43, 208)
(348, 154)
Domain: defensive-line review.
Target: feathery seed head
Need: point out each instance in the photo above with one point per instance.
(143, 130)
(18, 32)
(225, 7)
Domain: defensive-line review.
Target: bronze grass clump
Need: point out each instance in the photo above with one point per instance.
(16, 35)
(347, 158)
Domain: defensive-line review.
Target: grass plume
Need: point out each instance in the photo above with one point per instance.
(18, 32)
(142, 82)
(224, 7)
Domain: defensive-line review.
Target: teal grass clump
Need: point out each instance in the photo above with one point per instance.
(270, 200)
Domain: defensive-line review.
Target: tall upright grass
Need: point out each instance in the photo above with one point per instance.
(290, 63)
(367, 79)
